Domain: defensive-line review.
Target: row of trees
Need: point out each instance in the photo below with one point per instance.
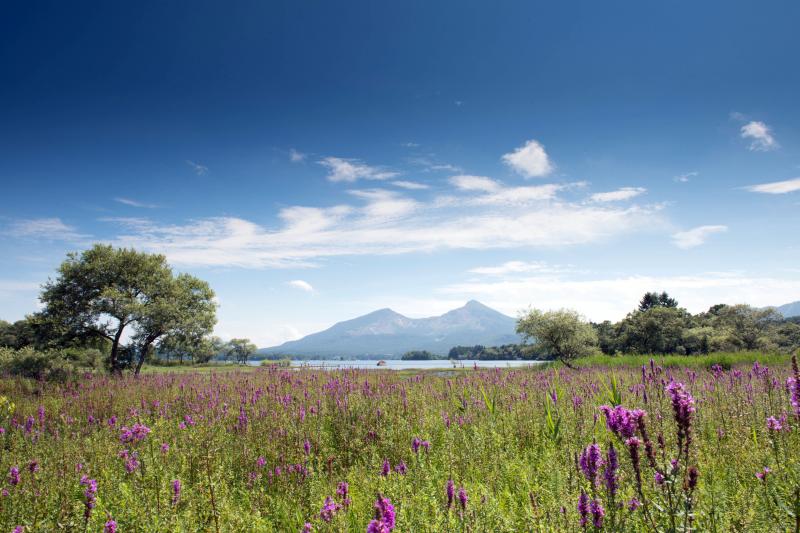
(659, 326)
(128, 306)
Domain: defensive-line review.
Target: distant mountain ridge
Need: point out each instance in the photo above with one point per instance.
(386, 333)
(790, 309)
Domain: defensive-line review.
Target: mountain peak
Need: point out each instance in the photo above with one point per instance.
(386, 332)
(475, 304)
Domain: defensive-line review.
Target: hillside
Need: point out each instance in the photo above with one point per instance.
(386, 333)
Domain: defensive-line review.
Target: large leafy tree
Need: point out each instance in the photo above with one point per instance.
(564, 334)
(658, 329)
(240, 349)
(653, 299)
(114, 293)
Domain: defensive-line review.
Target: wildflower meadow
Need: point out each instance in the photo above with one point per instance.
(277, 449)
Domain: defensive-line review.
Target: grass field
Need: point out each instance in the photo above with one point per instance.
(272, 449)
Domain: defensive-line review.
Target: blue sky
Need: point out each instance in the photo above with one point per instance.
(317, 160)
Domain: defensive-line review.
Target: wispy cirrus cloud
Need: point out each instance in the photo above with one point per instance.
(349, 170)
(776, 187)
(530, 160)
(200, 170)
(411, 185)
(624, 193)
(696, 236)
(759, 135)
(685, 177)
(300, 284)
(512, 267)
(295, 156)
(53, 229)
(135, 203)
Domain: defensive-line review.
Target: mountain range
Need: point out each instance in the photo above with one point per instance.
(386, 333)
(790, 309)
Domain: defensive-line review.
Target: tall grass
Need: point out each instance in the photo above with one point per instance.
(276, 449)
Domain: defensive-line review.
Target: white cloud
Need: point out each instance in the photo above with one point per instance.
(696, 236)
(475, 183)
(610, 298)
(200, 170)
(135, 203)
(386, 224)
(382, 204)
(530, 160)
(300, 284)
(410, 144)
(511, 267)
(777, 187)
(352, 169)
(625, 193)
(410, 185)
(760, 136)
(684, 178)
(44, 228)
(296, 156)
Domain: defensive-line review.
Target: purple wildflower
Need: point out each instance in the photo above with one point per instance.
(307, 447)
(386, 469)
(682, 407)
(415, 444)
(176, 491)
(342, 490)
(91, 495)
(401, 468)
(610, 472)
(659, 478)
(164, 448)
(463, 498)
(621, 421)
(13, 475)
(261, 461)
(329, 508)
(306, 528)
(135, 433)
(427, 445)
(763, 474)
(450, 491)
(110, 527)
(384, 517)
(583, 508)
(633, 504)
(590, 462)
(597, 513)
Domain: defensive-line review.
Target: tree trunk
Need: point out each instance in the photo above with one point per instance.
(115, 349)
(143, 352)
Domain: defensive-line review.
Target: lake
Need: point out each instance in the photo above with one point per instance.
(397, 364)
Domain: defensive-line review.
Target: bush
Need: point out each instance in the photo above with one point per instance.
(48, 365)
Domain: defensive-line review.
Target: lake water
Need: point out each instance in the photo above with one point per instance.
(397, 364)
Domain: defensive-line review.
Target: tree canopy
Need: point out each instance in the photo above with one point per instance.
(563, 334)
(112, 293)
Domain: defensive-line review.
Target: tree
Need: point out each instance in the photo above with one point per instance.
(104, 291)
(653, 299)
(564, 334)
(418, 355)
(240, 349)
(185, 308)
(659, 329)
(744, 327)
(182, 346)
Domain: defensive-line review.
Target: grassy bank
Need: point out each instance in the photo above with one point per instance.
(724, 359)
